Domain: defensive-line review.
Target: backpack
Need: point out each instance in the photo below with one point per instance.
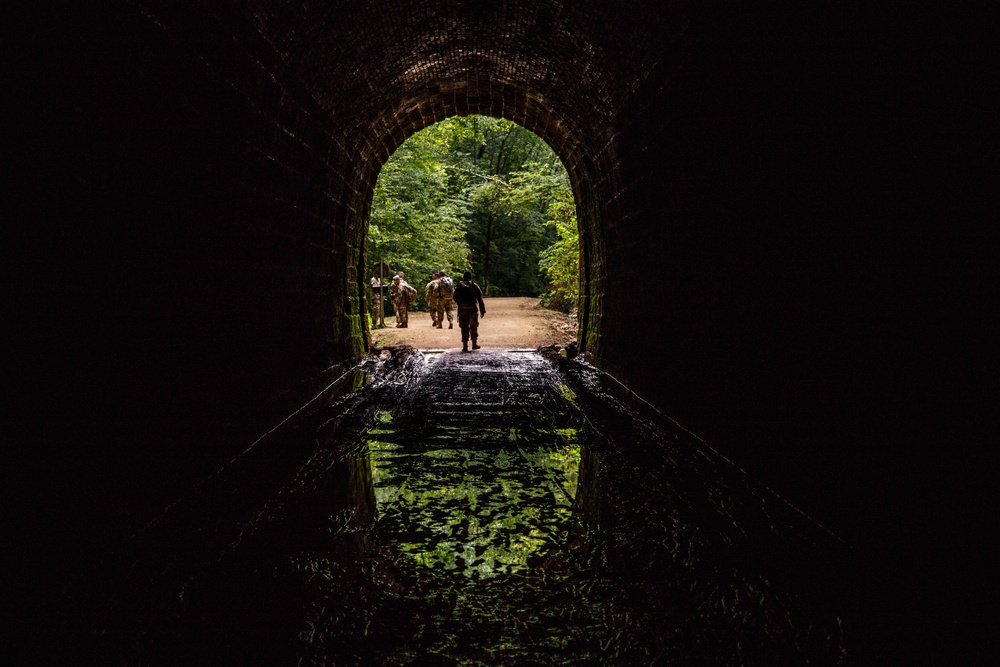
(410, 293)
(465, 295)
(432, 292)
(447, 287)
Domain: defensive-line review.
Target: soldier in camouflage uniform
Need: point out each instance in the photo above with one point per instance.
(394, 296)
(447, 292)
(407, 295)
(468, 296)
(432, 292)
(376, 299)
(401, 294)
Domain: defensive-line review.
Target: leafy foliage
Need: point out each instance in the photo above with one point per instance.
(561, 260)
(412, 227)
(478, 193)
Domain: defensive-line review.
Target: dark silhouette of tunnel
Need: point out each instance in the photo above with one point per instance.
(804, 199)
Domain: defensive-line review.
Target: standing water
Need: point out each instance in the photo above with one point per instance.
(510, 508)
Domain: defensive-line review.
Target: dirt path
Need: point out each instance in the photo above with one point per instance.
(510, 323)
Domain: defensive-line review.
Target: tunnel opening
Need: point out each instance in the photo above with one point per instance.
(501, 499)
(486, 195)
(469, 98)
(811, 185)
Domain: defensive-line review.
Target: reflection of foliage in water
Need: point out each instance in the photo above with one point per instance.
(480, 513)
(469, 494)
(567, 393)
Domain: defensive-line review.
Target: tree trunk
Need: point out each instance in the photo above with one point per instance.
(503, 144)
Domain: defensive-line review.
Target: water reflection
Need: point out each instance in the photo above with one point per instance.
(479, 512)
(439, 520)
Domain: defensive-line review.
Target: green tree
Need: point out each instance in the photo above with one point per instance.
(472, 192)
(507, 226)
(412, 227)
(504, 176)
(561, 260)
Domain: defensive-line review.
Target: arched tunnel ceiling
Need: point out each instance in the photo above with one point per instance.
(794, 195)
(384, 69)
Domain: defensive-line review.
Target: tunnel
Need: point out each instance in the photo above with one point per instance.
(788, 223)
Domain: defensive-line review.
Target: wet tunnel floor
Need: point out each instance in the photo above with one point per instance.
(476, 472)
(507, 508)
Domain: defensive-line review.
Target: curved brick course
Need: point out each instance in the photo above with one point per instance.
(803, 195)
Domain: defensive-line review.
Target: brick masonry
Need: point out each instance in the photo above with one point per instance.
(782, 212)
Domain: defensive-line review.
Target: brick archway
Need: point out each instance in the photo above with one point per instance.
(796, 198)
(565, 73)
(473, 99)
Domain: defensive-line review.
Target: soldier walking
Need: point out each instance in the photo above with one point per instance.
(402, 295)
(447, 291)
(468, 297)
(407, 295)
(394, 297)
(376, 299)
(432, 292)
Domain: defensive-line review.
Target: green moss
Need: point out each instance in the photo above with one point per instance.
(567, 393)
(354, 337)
(591, 306)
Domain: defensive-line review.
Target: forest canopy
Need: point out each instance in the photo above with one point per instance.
(481, 193)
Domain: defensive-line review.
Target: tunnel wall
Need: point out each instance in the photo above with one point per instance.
(788, 217)
(804, 209)
(176, 251)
